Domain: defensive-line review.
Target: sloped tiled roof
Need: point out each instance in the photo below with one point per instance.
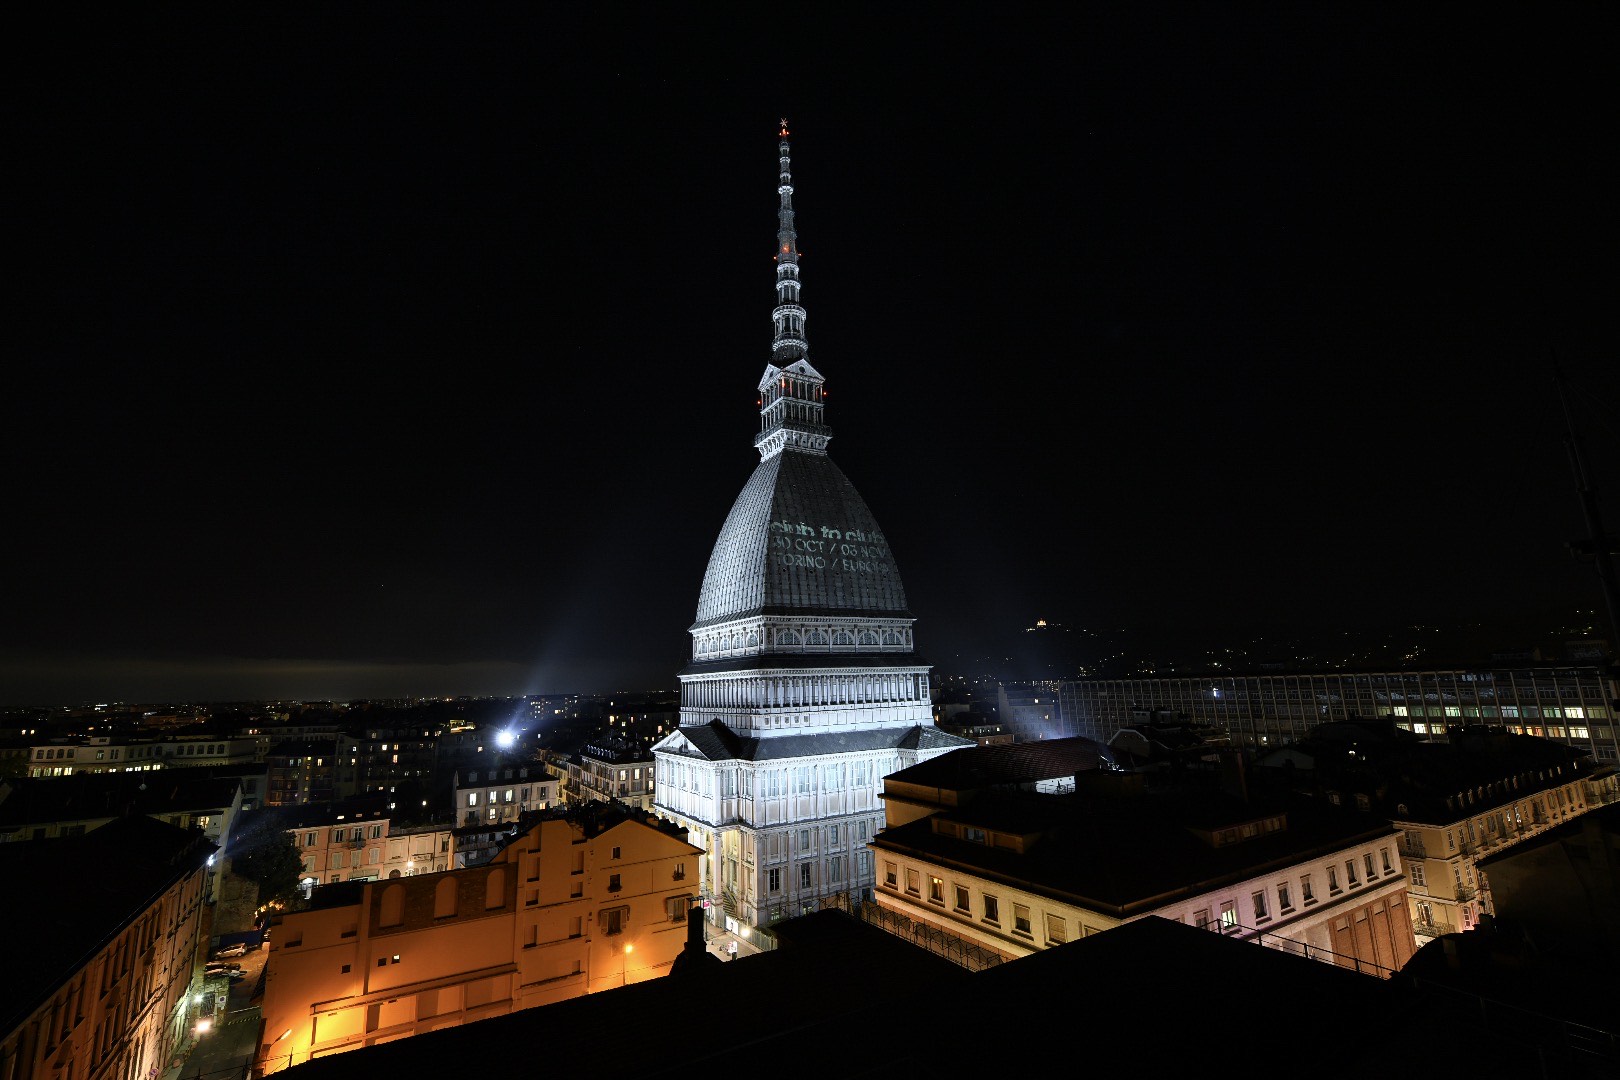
(87, 796)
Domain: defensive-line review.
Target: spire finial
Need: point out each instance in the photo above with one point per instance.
(791, 395)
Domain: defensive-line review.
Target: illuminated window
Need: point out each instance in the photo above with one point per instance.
(936, 890)
(1229, 921)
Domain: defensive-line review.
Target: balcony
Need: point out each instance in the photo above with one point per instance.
(1433, 928)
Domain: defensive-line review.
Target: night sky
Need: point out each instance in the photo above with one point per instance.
(381, 354)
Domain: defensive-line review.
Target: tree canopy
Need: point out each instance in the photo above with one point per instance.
(270, 860)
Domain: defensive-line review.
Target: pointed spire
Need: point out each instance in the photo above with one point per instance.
(791, 396)
(789, 344)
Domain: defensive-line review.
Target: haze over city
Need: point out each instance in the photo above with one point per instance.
(419, 357)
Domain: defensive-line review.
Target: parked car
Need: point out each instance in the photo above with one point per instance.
(238, 949)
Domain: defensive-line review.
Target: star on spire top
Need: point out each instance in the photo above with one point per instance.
(783, 123)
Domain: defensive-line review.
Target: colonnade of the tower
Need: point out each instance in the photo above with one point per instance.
(804, 691)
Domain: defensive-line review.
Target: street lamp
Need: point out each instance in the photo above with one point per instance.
(624, 964)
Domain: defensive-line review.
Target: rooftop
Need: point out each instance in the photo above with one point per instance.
(1120, 853)
(66, 898)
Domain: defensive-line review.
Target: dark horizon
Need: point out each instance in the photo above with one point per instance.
(418, 356)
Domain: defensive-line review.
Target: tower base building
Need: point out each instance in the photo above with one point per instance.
(804, 690)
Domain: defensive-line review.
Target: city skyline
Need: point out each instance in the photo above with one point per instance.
(418, 357)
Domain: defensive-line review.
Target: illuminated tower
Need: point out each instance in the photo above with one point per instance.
(803, 691)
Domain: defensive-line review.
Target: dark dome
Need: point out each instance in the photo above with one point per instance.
(800, 540)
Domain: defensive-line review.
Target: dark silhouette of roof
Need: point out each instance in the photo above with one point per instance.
(1152, 997)
(86, 796)
(66, 898)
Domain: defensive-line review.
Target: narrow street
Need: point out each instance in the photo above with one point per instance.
(225, 1052)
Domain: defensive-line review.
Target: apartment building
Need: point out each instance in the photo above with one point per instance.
(978, 852)
(496, 794)
(1576, 705)
(1482, 790)
(587, 899)
(106, 753)
(104, 954)
(1444, 839)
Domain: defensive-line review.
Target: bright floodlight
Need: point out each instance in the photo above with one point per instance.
(505, 739)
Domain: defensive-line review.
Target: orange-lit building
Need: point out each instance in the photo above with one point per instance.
(102, 967)
(587, 899)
